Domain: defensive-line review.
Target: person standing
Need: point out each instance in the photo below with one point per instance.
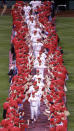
(34, 107)
(4, 7)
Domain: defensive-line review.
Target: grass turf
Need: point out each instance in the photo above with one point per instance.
(5, 33)
(65, 30)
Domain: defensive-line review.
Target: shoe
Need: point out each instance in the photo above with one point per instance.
(32, 121)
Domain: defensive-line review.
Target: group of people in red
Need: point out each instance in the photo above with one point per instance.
(37, 71)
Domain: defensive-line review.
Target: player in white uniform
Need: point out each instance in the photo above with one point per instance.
(34, 106)
(35, 4)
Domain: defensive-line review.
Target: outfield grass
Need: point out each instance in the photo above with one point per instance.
(65, 30)
(5, 33)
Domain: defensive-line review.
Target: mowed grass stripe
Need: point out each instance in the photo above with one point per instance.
(5, 33)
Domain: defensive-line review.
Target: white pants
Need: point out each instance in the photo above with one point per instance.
(34, 112)
(41, 70)
(36, 53)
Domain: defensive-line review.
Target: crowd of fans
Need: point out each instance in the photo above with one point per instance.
(36, 70)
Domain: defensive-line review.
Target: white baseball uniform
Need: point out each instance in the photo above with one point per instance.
(34, 106)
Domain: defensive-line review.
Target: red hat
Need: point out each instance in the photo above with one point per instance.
(39, 78)
(38, 58)
(33, 93)
(21, 121)
(35, 82)
(43, 89)
(19, 100)
(31, 18)
(6, 105)
(22, 96)
(35, 31)
(52, 120)
(39, 40)
(37, 70)
(37, 87)
(51, 86)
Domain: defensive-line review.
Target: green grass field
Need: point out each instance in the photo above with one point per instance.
(65, 30)
(5, 33)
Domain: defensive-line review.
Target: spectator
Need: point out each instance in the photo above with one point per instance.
(4, 113)
(53, 9)
(13, 52)
(12, 72)
(4, 7)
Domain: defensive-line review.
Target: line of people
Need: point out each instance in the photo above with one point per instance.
(55, 76)
(36, 69)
